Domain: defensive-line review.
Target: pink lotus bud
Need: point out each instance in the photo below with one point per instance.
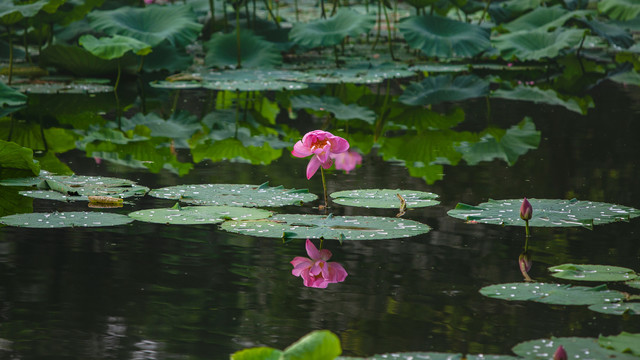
(526, 210)
(560, 354)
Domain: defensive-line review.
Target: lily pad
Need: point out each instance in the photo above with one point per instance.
(384, 198)
(65, 219)
(577, 348)
(295, 226)
(546, 212)
(634, 283)
(193, 215)
(441, 88)
(624, 342)
(624, 308)
(235, 195)
(592, 272)
(77, 187)
(417, 355)
(247, 85)
(556, 294)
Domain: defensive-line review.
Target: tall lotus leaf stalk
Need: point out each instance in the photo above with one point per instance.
(386, 18)
(10, 53)
(238, 43)
(212, 8)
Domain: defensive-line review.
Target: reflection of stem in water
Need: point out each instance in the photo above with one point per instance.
(143, 98)
(212, 8)
(375, 41)
(383, 111)
(238, 47)
(578, 53)
(115, 92)
(10, 54)
(175, 101)
(322, 13)
(235, 136)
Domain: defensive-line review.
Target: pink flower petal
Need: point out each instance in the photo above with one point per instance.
(300, 150)
(313, 166)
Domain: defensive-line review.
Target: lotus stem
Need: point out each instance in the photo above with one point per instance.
(386, 18)
(238, 44)
(526, 225)
(323, 14)
(295, 5)
(10, 54)
(324, 187)
(484, 12)
(212, 8)
(275, 18)
(578, 53)
(375, 41)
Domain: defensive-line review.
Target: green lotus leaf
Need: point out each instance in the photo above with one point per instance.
(331, 31)
(492, 357)
(592, 272)
(168, 57)
(624, 308)
(251, 75)
(516, 141)
(81, 62)
(257, 353)
(504, 11)
(333, 105)
(537, 44)
(151, 24)
(316, 345)
(109, 48)
(222, 51)
(10, 97)
(624, 342)
(556, 294)
(549, 97)
(622, 10)
(384, 198)
(438, 36)
(235, 150)
(77, 187)
(297, 226)
(546, 212)
(576, 348)
(180, 126)
(65, 219)
(611, 32)
(14, 203)
(234, 195)
(193, 215)
(418, 355)
(543, 18)
(14, 156)
(246, 85)
(176, 85)
(12, 12)
(441, 88)
(633, 283)
(629, 77)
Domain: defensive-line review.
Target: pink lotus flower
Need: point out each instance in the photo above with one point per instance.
(317, 272)
(320, 145)
(526, 210)
(347, 160)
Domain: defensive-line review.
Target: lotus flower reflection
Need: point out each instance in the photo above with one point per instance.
(316, 271)
(320, 145)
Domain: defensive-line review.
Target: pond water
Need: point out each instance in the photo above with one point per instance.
(148, 291)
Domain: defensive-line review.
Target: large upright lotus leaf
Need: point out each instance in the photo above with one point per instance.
(586, 272)
(65, 219)
(151, 24)
(624, 308)
(537, 44)
(331, 31)
(543, 18)
(11, 97)
(611, 32)
(624, 342)
(222, 51)
(540, 96)
(114, 47)
(12, 11)
(441, 88)
(622, 10)
(504, 11)
(546, 212)
(77, 187)
(193, 215)
(295, 226)
(384, 198)
(316, 345)
(14, 156)
(556, 294)
(576, 348)
(516, 141)
(79, 61)
(442, 37)
(234, 195)
(333, 105)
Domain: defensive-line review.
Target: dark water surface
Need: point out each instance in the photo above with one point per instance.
(145, 291)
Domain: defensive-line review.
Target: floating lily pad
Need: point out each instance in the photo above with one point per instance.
(546, 212)
(624, 342)
(53, 87)
(77, 187)
(176, 85)
(556, 294)
(247, 85)
(417, 355)
(328, 227)
(384, 198)
(191, 215)
(634, 283)
(624, 308)
(577, 348)
(65, 219)
(235, 195)
(592, 272)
